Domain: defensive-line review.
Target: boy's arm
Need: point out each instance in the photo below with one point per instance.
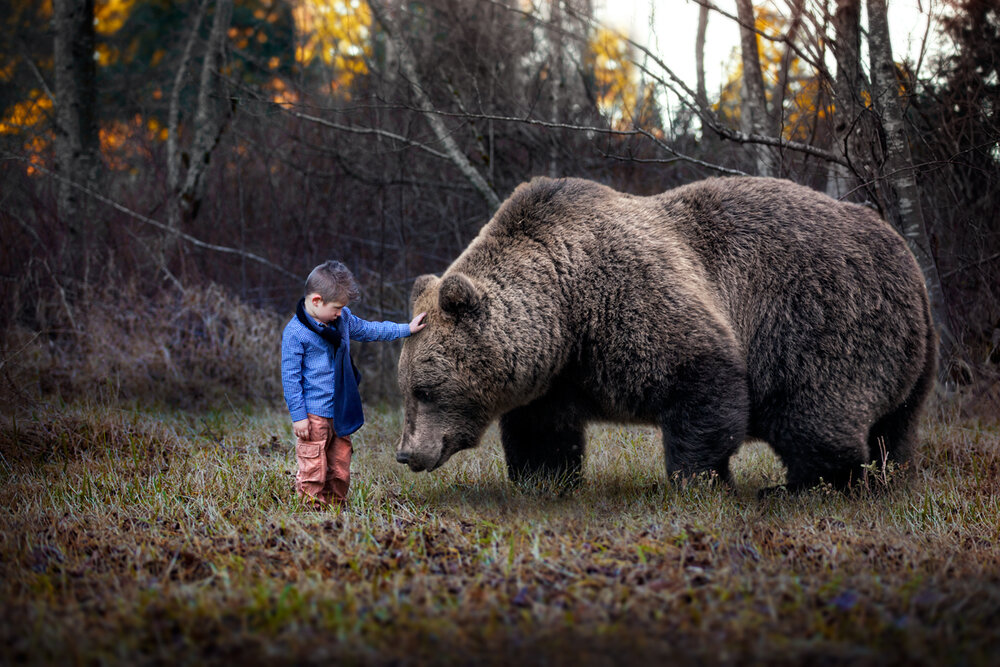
(363, 330)
(291, 376)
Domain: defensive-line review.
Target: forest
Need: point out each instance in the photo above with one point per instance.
(172, 170)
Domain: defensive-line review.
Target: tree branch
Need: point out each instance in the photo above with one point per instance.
(406, 62)
(155, 223)
(369, 130)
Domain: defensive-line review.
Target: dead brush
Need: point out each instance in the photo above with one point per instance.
(73, 432)
(184, 349)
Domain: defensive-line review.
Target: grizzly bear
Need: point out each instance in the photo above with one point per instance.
(723, 310)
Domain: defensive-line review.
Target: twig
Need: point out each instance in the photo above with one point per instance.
(155, 223)
(3, 362)
(368, 130)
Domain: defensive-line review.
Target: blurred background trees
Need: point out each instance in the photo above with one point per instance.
(238, 143)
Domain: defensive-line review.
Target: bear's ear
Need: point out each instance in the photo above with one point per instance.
(458, 296)
(421, 285)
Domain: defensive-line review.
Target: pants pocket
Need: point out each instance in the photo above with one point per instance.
(319, 429)
(312, 467)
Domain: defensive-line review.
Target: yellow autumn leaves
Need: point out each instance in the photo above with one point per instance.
(800, 97)
(336, 33)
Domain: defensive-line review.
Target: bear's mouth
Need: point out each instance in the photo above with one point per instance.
(449, 446)
(417, 463)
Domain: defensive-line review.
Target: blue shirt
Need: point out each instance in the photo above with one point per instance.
(307, 368)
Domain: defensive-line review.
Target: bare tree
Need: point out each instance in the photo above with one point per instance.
(408, 65)
(699, 56)
(186, 190)
(797, 8)
(76, 142)
(852, 126)
(898, 184)
(753, 115)
(557, 79)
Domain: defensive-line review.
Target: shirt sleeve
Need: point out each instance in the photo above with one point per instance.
(363, 330)
(292, 354)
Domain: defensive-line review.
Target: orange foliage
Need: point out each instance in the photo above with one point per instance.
(110, 15)
(281, 93)
(26, 114)
(336, 33)
(802, 101)
(126, 143)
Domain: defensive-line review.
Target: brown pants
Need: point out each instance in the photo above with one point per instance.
(324, 463)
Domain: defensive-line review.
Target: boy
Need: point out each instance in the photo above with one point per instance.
(321, 383)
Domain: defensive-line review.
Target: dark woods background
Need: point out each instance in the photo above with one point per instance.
(163, 200)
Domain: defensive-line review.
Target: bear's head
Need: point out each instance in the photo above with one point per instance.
(452, 374)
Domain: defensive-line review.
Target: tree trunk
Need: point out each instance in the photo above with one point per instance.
(897, 182)
(852, 120)
(753, 113)
(174, 121)
(208, 124)
(699, 57)
(76, 142)
(556, 81)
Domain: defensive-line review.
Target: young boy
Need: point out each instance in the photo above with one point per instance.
(321, 383)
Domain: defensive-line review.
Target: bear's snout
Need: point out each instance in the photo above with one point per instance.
(414, 457)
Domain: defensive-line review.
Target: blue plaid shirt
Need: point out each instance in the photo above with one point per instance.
(307, 370)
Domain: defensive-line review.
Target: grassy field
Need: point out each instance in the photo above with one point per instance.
(131, 535)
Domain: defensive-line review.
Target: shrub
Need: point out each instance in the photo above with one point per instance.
(200, 346)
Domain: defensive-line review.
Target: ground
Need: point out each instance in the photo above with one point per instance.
(138, 535)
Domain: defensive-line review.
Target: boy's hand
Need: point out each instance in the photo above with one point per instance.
(418, 323)
(301, 428)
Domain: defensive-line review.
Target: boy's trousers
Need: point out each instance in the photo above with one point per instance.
(324, 463)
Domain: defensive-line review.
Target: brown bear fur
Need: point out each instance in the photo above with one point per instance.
(723, 310)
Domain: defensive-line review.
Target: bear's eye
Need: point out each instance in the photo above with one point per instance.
(423, 394)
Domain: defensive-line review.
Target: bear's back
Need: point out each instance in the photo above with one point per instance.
(763, 240)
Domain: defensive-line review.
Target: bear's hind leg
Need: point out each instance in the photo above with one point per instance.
(701, 443)
(705, 424)
(893, 436)
(543, 442)
(814, 456)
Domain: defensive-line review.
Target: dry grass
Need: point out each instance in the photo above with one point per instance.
(202, 346)
(162, 536)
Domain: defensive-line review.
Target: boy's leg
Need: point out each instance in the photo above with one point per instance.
(310, 482)
(338, 473)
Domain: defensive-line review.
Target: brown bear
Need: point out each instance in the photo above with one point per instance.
(719, 311)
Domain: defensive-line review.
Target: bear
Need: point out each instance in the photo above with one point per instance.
(724, 310)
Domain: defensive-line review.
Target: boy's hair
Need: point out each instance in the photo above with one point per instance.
(333, 282)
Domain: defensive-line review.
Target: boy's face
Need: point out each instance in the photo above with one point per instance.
(324, 311)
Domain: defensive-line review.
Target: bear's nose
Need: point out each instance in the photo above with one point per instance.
(402, 457)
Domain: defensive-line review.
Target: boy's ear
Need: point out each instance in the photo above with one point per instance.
(421, 285)
(458, 296)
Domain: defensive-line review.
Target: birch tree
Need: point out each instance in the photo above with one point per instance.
(897, 180)
(187, 188)
(407, 63)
